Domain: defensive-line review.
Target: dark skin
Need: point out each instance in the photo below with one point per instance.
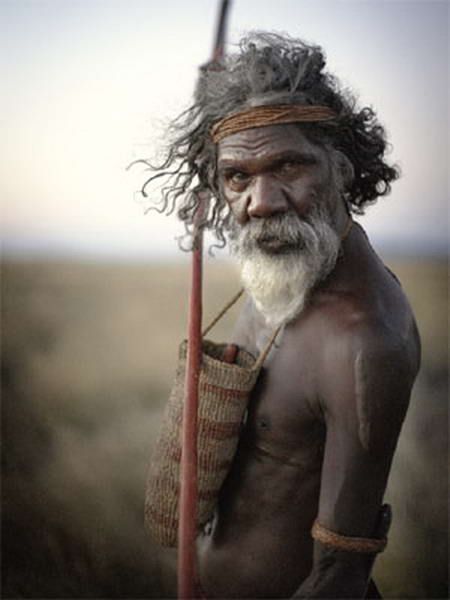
(324, 418)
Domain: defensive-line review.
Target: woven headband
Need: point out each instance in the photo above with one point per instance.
(261, 116)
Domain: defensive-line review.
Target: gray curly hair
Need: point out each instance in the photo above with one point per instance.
(268, 68)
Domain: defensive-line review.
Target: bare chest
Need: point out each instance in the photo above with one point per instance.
(283, 418)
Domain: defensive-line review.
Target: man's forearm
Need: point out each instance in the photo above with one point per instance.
(342, 564)
(337, 574)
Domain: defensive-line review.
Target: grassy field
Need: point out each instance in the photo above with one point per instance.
(88, 356)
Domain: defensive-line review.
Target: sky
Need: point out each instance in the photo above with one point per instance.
(89, 85)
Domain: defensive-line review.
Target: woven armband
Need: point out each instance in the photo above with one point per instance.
(224, 390)
(337, 541)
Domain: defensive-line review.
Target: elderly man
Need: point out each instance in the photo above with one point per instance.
(287, 157)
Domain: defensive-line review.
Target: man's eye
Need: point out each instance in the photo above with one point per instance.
(289, 167)
(237, 178)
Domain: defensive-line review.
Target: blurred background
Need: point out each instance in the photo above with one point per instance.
(94, 291)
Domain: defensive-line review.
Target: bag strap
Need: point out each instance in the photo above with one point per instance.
(263, 355)
(224, 310)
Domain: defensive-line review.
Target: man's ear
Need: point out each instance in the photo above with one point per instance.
(345, 170)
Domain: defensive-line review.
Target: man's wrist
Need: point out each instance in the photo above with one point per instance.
(336, 574)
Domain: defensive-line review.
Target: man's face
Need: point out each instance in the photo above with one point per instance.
(283, 194)
(274, 170)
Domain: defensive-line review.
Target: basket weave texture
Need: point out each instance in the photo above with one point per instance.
(224, 391)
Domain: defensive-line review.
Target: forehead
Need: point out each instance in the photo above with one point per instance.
(264, 143)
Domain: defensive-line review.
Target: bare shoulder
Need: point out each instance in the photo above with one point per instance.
(370, 356)
(381, 326)
(366, 312)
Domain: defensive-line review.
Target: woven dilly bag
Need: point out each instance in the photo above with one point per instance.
(224, 391)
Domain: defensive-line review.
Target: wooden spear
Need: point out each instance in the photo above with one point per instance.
(187, 531)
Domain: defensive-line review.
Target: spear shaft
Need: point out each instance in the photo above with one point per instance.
(187, 531)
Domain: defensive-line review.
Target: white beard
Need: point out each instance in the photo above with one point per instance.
(279, 284)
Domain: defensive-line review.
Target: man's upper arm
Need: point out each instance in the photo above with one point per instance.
(365, 397)
(364, 390)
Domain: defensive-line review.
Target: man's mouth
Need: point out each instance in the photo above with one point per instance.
(276, 245)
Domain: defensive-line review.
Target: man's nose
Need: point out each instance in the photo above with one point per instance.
(267, 198)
